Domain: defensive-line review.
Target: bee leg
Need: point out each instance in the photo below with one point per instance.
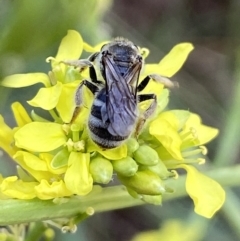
(164, 80)
(83, 64)
(159, 79)
(80, 63)
(148, 112)
(79, 96)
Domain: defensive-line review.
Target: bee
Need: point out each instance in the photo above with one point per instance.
(114, 115)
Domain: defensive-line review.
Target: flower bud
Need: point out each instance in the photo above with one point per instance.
(133, 193)
(132, 146)
(125, 166)
(160, 169)
(101, 170)
(60, 159)
(145, 155)
(152, 199)
(144, 182)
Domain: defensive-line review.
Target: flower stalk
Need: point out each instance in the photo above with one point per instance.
(100, 200)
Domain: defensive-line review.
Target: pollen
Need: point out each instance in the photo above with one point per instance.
(79, 145)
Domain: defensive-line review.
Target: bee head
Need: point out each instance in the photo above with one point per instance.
(122, 50)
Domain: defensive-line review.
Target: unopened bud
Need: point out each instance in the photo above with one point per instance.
(125, 166)
(152, 199)
(133, 193)
(132, 146)
(145, 155)
(160, 169)
(60, 159)
(49, 233)
(144, 182)
(101, 170)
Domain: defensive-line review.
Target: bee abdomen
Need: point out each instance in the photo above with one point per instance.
(103, 138)
(98, 129)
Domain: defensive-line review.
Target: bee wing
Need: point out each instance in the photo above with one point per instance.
(121, 104)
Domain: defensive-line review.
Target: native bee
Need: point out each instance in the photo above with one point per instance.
(114, 113)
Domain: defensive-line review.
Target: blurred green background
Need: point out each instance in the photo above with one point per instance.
(30, 31)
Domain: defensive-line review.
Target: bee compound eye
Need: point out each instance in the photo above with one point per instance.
(104, 52)
(140, 58)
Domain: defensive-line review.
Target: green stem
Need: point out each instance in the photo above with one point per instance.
(55, 116)
(35, 231)
(105, 199)
(228, 148)
(231, 211)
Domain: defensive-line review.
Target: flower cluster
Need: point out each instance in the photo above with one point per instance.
(57, 159)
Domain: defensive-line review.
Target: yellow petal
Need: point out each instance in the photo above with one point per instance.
(175, 59)
(168, 136)
(31, 161)
(2, 196)
(6, 138)
(111, 154)
(15, 188)
(40, 136)
(96, 48)
(66, 103)
(21, 116)
(71, 46)
(56, 189)
(77, 178)
(153, 87)
(172, 230)
(203, 133)
(150, 69)
(23, 80)
(177, 118)
(208, 196)
(115, 153)
(172, 62)
(34, 165)
(47, 98)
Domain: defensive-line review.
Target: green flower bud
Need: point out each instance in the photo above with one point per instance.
(133, 193)
(144, 182)
(160, 169)
(125, 166)
(101, 170)
(132, 146)
(152, 199)
(145, 155)
(60, 159)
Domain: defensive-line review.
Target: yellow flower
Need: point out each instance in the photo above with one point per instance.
(15, 188)
(174, 230)
(60, 84)
(180, 134)
(7, 134)
(58, 158)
